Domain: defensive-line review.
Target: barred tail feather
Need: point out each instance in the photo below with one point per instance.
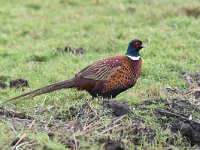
(49, 88)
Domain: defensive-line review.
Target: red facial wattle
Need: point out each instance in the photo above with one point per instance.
(137, 44)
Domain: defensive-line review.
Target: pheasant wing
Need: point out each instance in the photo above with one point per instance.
(103, 69)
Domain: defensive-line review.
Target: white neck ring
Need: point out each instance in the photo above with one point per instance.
(133, 57)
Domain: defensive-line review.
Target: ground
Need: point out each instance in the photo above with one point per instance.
(42, 42)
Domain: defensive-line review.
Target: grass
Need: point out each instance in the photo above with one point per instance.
(31, 31)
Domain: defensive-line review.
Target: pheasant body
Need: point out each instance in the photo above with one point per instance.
(105, 78)
(108, 77)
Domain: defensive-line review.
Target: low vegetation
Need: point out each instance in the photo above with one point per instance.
(42, 42)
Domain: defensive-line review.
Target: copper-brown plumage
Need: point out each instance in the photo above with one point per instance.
(105, 78)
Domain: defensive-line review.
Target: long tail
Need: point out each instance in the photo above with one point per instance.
(49, 88)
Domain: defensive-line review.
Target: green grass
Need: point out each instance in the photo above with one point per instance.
(31, 31)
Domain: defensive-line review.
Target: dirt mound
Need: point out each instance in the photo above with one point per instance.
(18, 83)
(71, 50)
(116, 124)
(118, 108)
(111, 144)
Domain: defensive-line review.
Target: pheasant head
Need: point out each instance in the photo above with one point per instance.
(134, 49)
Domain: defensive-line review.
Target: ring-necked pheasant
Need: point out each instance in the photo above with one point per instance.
(105, 78)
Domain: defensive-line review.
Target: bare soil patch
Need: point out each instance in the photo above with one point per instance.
(191, 11)
(18, 83)
(117, 108)
(93, 123)
(72, 50)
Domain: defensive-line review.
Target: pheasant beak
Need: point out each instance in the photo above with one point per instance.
(143, 46)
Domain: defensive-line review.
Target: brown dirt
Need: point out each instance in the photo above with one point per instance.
(189, 128)
(12, 113)
(110, 144)
(191, 11)
(27, 143)
(179, 113)
(118, 108)
(18, 83)
(182, 109)
(17, 139)
(83, 122)
(131, 10)
(71, 50)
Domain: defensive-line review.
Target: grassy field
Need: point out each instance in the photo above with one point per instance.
(33, 35)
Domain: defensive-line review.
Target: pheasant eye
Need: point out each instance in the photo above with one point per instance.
(137, 44)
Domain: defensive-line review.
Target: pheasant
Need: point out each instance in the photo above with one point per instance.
(105, 78)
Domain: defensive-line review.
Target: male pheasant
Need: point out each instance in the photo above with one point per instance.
(105, 78)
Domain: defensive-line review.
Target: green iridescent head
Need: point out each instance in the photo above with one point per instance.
(134, 48)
